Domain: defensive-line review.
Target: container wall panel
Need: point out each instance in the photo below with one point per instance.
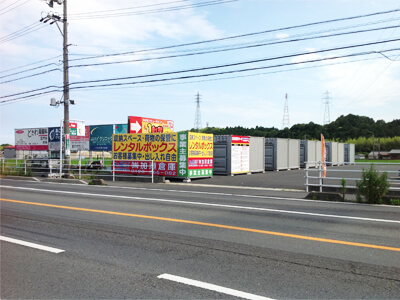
(221, 159)
(318, 151)
(293, 154)
(257, 154)
(282, 154)
(340, 153)
(270, 157)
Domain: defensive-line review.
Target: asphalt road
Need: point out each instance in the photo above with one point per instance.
(121, 241)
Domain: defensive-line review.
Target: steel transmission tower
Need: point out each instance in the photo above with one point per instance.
(197, 118)
(327, 100)
(286, 122)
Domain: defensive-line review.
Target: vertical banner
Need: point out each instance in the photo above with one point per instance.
(323, 155)
(101, 138)
(183, 146)
(240, 154)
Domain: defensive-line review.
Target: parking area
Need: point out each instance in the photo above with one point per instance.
(295, 179)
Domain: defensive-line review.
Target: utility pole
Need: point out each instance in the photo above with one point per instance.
(67, 152)
(54, 18)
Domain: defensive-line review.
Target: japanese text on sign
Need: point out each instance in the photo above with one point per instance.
(144, 146)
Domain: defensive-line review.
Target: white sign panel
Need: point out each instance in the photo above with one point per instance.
(32, 139)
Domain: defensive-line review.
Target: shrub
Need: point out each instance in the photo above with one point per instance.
(395, 201)
(373, 186)
(343, 182)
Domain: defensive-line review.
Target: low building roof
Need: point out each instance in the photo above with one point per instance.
(395, 151)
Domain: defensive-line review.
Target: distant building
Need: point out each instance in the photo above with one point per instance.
(394, 154)
(9, 152)
(378, 155)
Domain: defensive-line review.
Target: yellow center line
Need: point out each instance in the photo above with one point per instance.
(295, 236)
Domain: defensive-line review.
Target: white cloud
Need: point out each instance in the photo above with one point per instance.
(282, 36)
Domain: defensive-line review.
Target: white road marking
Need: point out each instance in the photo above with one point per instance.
(31, 245)
(212, 287)
(210, 204)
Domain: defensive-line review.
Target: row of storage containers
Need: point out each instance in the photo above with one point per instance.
(238, 154)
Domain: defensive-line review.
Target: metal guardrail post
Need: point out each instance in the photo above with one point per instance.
(306, 176)
(113, 169)
(320, 177)
(152, 171)
(25, 165)
(80, 167)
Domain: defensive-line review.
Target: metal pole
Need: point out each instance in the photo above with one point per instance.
(66, 89)
(61, 137)
(307, 177)
(320, 177)
(152, 171)
(80, 163)
(113, 169)
(25, 165)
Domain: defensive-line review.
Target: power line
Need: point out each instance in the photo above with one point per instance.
(152, 11)
(233, 48)
(241, 35)
(239, 63)
(12, 7)
(184, 77)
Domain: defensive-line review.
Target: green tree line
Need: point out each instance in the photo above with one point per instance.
(360, 130)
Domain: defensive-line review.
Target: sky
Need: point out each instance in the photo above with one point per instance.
(151, 58)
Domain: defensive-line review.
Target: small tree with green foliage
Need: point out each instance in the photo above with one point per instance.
(373, 186)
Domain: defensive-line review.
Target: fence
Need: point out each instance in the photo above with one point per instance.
(350, 172)
(51, 168)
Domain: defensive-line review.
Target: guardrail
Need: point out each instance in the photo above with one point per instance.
(352, 175)
(51, 168)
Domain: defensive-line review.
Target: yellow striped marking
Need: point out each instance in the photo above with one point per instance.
(295, 236)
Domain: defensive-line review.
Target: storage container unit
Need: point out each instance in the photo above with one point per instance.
(318, 152)
(257, 154)
(308, 153)
(331, 153)
(340, 153)
(349, 153)
(282, 154)
(231, 154)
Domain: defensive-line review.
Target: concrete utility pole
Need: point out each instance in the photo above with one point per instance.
(67, 152)
(54, 18)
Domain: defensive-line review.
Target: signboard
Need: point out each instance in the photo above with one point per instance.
(133, 153)
(80, 143)
(54, 138)
(76, 128)
(184, 154)
(33, 139)
(195, 154)
(240, 154)
(120, 128)
(149, 125)
(100, 138)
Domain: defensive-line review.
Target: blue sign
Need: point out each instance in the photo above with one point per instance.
(100, 138)
(54, 134)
